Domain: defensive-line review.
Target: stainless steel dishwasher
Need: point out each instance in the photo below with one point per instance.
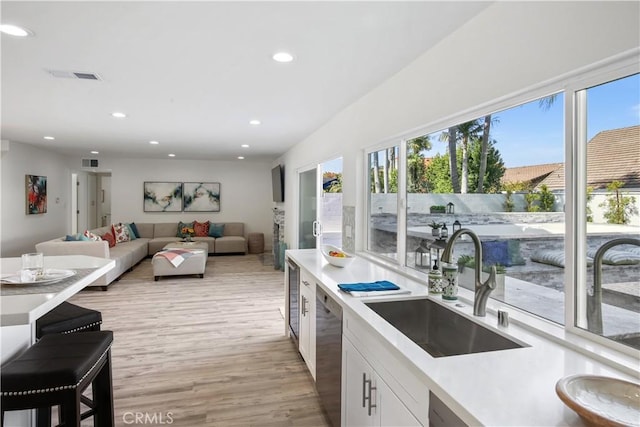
(329, 355)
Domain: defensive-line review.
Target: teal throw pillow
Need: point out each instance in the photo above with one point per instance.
(132, 234)
(134, 229)
(514, 253)
(76, 238)
(216, 230)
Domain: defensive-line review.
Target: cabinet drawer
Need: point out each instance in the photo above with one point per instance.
(394, 368)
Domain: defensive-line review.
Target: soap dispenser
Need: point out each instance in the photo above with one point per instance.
(449, 281)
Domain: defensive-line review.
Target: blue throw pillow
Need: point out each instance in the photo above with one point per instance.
(495, 252)
(216, 230)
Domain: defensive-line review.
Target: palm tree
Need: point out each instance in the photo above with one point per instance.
(468, 131)
(484, 151)
(376, 174)
(452, 137)
(416, 180)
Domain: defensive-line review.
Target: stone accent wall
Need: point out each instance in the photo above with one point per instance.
(349, 222)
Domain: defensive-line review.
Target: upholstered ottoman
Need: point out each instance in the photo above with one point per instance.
(180, 258)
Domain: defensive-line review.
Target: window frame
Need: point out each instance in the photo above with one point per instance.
(572, 85)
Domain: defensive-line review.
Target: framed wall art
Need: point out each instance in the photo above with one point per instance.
(36, 194)
(201, 197)
(162, 197)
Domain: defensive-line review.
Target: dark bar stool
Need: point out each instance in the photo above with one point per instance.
(55, 371)
(67, 318)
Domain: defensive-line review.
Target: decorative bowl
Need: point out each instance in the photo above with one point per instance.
(337, 261)
(601, 401)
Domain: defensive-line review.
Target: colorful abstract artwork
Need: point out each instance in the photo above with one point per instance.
(36, 194)
(162, 197)
(201, 197)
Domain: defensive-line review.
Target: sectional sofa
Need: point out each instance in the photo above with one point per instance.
(153, 236)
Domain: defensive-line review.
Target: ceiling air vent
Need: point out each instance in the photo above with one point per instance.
(63, 74)
(89, 163)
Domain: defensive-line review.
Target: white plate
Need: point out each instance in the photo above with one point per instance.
(601, 401)
(50, 275)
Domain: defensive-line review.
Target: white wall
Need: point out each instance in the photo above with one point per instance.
(20, 232)
(507, 48)
(245, 190)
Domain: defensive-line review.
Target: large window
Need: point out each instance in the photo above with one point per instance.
(503, 175)
(609, 123)
(383, 202)
(500, 176)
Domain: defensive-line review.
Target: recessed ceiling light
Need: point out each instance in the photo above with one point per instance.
(254, 122)
(283, 57)
(14, 30)
(245, 146)
(154, 142)
(95, 152)
(119, 115)
(240, 157)
(50, 138)
(172, 155)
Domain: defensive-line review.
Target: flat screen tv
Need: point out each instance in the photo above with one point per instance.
(277, 183)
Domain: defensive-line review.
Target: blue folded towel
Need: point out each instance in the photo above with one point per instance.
(380, 285)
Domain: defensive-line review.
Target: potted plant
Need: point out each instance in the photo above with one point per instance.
(435, 228)
(437, 209)
(501, 272)
(466, 271)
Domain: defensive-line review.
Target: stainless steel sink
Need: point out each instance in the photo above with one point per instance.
(440, 331)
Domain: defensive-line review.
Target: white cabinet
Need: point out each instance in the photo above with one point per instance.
(307, 336)
(367, 399)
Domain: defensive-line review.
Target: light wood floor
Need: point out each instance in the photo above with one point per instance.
(212, 351)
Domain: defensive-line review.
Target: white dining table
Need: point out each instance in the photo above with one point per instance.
(22, 304)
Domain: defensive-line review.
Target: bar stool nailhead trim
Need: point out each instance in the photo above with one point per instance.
(64, 387)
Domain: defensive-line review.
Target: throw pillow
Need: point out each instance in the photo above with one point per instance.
(92, 236)
(514, 253)
(555, 258)
(185, 229)
(216, 230)
(201, 228)
(134, 228)
(495, 252)
(72, 238)
(120, 232)
(614, 257)
(109, 238)
(132, 235)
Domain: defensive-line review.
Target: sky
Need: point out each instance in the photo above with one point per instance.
(531, 135)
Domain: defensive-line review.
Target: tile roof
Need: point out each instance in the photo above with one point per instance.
(531, 175)
(611, 155)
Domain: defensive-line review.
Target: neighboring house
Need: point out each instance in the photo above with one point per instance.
(530, 176)
(612, 155)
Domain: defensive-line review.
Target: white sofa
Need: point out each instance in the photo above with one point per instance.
(152, 239)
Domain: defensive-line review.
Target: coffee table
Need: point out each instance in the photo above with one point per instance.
(195, 263)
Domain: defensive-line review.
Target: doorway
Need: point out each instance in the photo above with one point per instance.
(90, 201)
(320, 205)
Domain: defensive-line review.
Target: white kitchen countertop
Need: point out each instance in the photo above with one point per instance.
(26, 308)
(510, 387)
